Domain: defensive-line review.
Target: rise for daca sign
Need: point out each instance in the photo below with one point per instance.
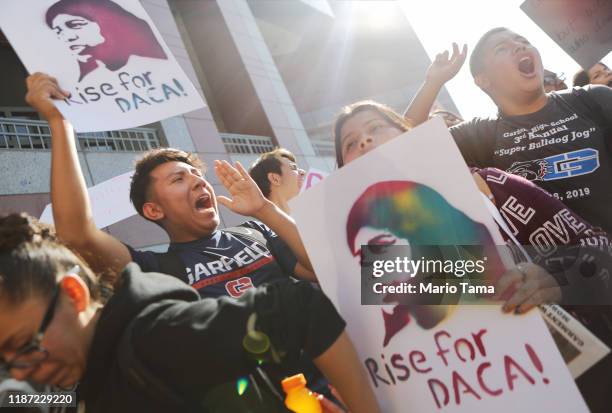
(416, 190)
(107, 54)
(583, 28)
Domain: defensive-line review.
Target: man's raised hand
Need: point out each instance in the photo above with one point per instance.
(42, 89)
(246, 197)
(443, 68)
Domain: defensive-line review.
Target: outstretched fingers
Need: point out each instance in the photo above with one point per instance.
(243, 172)
(227, 174)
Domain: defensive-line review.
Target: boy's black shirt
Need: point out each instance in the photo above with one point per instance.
(562, 148)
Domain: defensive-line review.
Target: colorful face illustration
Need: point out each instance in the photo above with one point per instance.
(408, 213)
(78, 33)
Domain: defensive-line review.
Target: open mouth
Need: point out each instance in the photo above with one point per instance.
(526, 66)
(203, 202)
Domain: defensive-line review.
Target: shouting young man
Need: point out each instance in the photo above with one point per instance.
(168, 188)
(559, 141)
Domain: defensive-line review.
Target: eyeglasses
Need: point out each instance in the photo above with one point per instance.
(32, 353)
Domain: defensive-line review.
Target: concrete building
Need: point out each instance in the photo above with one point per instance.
(273, 73)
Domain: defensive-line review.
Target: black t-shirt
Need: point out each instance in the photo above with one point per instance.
(156, 329)
(561, 148)
(225, 263)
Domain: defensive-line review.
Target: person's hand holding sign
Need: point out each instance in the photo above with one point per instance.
(532, 285)
(330, 407)
(42, 89)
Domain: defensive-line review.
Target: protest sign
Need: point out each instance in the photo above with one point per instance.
(107, 54)
(582, 28)
(426, 358)
(110, 202)
(313, 177)
(580, 348)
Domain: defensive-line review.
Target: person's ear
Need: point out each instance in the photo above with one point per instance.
(274, 178)
(75, 289)
(482, 82)
(152, 211)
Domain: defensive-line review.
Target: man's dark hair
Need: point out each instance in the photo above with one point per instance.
(266, 163)
(141, 180)
(581, 78)
(477, 57)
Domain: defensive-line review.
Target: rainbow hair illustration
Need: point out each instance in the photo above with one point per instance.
(414, 212)
(419, 214)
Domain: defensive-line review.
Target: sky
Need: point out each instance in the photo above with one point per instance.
(438, 23)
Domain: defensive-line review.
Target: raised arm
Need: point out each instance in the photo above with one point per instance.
(340, 364)
(71, 209)
(441, 71)
(247, 199)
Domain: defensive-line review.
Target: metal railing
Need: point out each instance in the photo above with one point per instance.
(35, 134)
(245, 144)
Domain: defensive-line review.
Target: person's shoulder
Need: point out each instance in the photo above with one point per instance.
(475, 136)
(147, 260)
(591, 101)
(599, 92)
(257, 226)
(595, 91)
(151, 281)
(474, 125)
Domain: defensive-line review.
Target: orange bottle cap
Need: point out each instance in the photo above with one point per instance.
(293, 382)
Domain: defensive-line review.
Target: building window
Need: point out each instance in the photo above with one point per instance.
(324, 148)
(33, 134)
(245, 144)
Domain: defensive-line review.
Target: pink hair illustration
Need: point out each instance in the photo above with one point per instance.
(102, 31)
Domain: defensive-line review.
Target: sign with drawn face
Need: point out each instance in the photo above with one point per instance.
(107, 54)
(416, 191)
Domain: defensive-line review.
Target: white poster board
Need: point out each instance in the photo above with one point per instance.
(475, 358)
(109, 200)
(580, 348)
(107, 54)
(582, 28)
(313, 177)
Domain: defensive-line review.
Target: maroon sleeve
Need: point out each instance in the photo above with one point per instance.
(535, 217)
(574, 252)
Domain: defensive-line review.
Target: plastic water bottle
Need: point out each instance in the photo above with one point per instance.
(299, 398)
